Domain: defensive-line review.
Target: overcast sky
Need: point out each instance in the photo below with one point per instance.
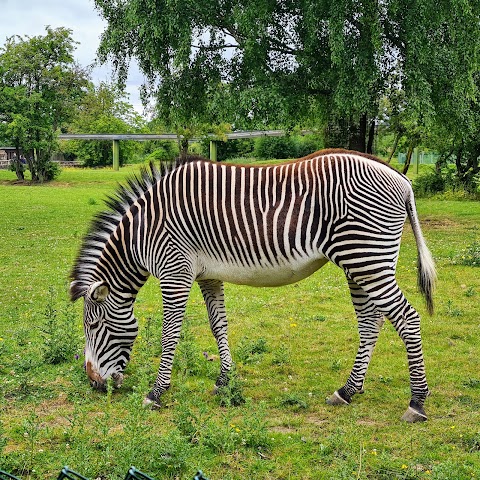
(30, 17)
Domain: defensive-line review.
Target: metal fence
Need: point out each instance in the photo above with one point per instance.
(67, 473)
(420, 158)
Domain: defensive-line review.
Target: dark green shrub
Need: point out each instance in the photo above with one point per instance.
(49, 171)
(435, 181)
(289, 146)
(229, 149)
(164, 151)
(429, 184)
(305, 145)
(275, 147)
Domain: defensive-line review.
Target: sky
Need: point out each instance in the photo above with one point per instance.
(30, 17)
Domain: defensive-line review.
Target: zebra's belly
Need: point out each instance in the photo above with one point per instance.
(261, 275)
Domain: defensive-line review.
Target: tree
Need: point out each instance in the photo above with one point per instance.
(39, 86)
(103, 109)
(318, 63)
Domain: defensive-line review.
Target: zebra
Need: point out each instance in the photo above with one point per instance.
(196, 220)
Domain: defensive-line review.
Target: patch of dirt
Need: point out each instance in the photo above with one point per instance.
(318, 421)
(438, 223)
(16, 183)
(47, 406)
(53, 412)
(283, 429)
(368, 422)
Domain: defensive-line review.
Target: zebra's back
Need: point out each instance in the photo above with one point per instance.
(274, 225)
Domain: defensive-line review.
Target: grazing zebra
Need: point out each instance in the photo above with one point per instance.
(209, 222)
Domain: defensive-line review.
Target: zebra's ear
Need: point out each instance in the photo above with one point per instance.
(77, 290)
(99, 291)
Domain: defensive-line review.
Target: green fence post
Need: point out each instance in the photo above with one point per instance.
(213, 150)
(116, 155)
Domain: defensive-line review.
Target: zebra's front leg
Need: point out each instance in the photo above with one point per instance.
(175, 295)
(370, 322)
(212, 291)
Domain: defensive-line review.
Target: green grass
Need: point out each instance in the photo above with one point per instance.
(293, 346)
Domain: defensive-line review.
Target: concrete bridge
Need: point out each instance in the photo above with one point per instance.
(115, 139)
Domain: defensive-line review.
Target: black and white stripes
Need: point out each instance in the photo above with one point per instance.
(261, 226)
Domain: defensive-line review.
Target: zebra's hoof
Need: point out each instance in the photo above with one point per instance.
(413, 415)
(147, 403)
(336, 399)
(150, 402)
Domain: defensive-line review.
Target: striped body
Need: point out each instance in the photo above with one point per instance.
(260, 226)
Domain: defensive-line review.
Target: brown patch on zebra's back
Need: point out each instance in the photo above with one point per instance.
(342, 151)
(319, 153)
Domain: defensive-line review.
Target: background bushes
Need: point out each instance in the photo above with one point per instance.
(286, 147)
(445, 179)
(265, 148)
(163, 151)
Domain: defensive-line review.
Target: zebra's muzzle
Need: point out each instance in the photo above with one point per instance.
(101, 385)
(96, 381)
(117, 379)
(98, 385)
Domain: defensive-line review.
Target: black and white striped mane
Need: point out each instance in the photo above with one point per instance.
(106, 222)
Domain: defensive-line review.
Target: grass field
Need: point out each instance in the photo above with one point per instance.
(293, 347)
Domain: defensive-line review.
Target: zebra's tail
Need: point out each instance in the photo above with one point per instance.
(426, 273)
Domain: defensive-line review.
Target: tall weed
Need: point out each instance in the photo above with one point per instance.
(61, 340)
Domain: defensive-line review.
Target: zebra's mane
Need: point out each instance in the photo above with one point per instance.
(106, 222)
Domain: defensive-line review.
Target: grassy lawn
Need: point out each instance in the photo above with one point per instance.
(293, 347)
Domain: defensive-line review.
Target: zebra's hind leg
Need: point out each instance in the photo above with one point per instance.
(370, 322)
(390, 301)
(175, 292)
(212, 291)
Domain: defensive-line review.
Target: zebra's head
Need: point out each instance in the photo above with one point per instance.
(110, 331)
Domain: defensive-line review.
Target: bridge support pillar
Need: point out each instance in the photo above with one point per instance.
(213, 150)
(116, 154)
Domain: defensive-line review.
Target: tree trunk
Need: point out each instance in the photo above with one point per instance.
(18, 165)
(357, 134)
(398, 136)
(408, 160)
(32, 162)
(458, 164)
(371, 137)
(183, 148)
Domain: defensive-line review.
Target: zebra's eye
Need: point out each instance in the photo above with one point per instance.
(94, 324)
